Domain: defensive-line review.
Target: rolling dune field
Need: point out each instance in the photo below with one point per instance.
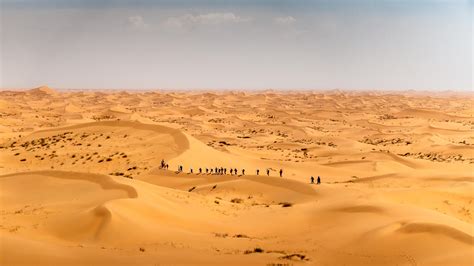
(81, 182)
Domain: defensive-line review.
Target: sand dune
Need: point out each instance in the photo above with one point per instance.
(80, 180)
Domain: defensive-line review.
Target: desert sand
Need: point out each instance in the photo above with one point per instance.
(81, 182)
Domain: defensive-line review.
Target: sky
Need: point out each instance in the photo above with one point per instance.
(240, 44)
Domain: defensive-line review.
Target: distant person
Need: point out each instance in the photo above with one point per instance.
(207, 171)
(231, 171)
(191, 170)
(268, 172)
(235, 171)
(212, 170)
(162, 163)
(281, 172)
(243, 171)
(312, 179)
(200, 170)
(258, 171)
(319, 180)
(166, 166)
(225, 171)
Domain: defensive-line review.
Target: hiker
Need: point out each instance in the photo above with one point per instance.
(200, 170)
(231, 171)
(312, 180)
(319, 180)
(162, 163)
(281, 172)
(258, 171)
(207, 171)
(268, 172)
(215, 170)
(243, 171)
(235, 171)
(225, 171)
(191, 170)
(222, 170)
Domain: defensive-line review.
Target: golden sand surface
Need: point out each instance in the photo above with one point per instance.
(81, 182)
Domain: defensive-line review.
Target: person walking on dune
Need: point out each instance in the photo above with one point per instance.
(231, 171)
(243, 171)
(281, 172)
(225, 171)
(312, 180)
(258, 171)
(319, 180)
(200, 170)
(235, 171)
(268, 172)
(191, 170)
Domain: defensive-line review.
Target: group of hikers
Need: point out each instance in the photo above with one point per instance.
(223, 171)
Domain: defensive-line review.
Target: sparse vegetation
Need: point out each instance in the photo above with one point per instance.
(236, 200)
(255, 250)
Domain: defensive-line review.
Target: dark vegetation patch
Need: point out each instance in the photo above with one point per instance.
(237, 200)
(294, 256)
(255, 250)
(286, 204)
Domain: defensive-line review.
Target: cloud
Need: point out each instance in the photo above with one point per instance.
(189, 20)
(288, 20)
(137, 22)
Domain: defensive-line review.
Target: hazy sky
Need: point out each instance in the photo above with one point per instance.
(255, 44)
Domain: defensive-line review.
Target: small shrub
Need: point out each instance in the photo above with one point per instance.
(258, 250)
(236, 200)
(241, 236)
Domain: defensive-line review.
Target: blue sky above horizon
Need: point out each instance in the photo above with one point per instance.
(260, 44)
